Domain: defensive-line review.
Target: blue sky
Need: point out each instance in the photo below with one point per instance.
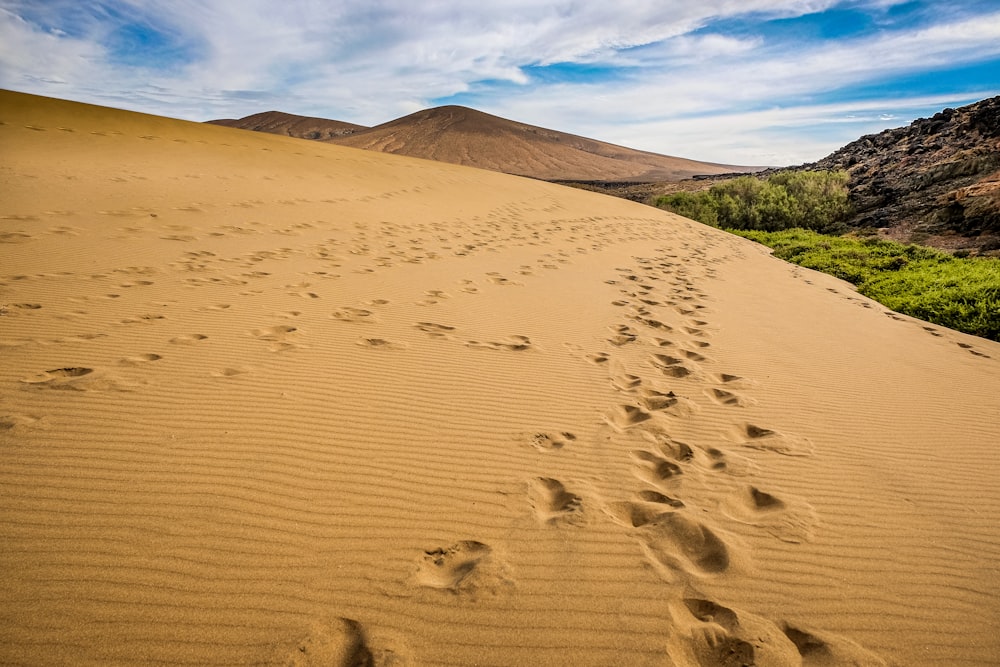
(760, 82)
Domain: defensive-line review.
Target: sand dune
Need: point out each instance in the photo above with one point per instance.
(265, 401)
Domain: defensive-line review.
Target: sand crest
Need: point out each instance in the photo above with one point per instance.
(270, 401)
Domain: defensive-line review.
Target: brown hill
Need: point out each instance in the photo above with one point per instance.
(460, 135)
(290, 125)
(936, 181)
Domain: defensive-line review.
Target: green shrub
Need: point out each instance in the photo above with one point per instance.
(808, 199)
(692, 205)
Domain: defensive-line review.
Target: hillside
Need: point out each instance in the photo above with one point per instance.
(290, 125)
(460, 135)
(266, 401)
(936, 181)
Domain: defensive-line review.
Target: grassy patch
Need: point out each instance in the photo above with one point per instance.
(958, 293)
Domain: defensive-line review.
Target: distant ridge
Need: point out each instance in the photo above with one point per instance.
(460, 135)
(290, 125)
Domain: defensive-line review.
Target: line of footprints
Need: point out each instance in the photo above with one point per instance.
(681, 548)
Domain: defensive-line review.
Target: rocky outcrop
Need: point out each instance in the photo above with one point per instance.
(936, 181)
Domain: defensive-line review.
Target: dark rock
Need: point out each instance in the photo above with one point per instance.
(939, 176)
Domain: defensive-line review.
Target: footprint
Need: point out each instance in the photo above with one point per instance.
(672, 366)
(964, 346)
(713, 635)
(599, 358)
(142, 319)
(497, 279)
(763, 501)
(624, 417)
(231, 372)
(10, 422)
(767, 440)
(547, 441)
(660, 468)
(337, 643)
(678, 542)
(824, 649)
(650, 496)
(669, 402)
(693, 356)
(354, 315)
(217, 307)
(735, 465)
(381, 344)
(58, 375)
(74, 378)
(278, 336)
(511, 343)
(733, 380)
(728, 398)
(188, 339)
(653, 324)
(450, 567)
(139, 359)
(673, 449)
(626, 382)
(623, 335)
(435, 330)
(553, 503)
(790, 520)
(636, 515)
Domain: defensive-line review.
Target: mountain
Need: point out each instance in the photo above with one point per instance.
(290, 125)
(936, 181)
(468, 137)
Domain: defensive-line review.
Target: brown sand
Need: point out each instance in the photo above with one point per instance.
(267, 401)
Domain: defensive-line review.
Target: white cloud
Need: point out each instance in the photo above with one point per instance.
(780, 136)
(369, 61)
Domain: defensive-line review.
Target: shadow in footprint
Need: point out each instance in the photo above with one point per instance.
(677, 542)
(728, 398)
(764, 439)
(553, 504)
(823, 649)
(337, 643)
(452, 568)
(623, 417)
(660, 468)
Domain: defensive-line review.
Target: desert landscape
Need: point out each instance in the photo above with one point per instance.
(278, 402)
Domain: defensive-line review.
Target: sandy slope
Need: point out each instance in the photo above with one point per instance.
(267, 401)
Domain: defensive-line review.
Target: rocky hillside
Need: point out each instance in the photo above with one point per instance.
(936, 181)
(291, 125)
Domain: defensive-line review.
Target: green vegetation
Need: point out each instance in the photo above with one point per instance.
(808, 199)
(959, 293)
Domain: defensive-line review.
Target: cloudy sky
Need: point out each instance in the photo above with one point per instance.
(761, 82)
